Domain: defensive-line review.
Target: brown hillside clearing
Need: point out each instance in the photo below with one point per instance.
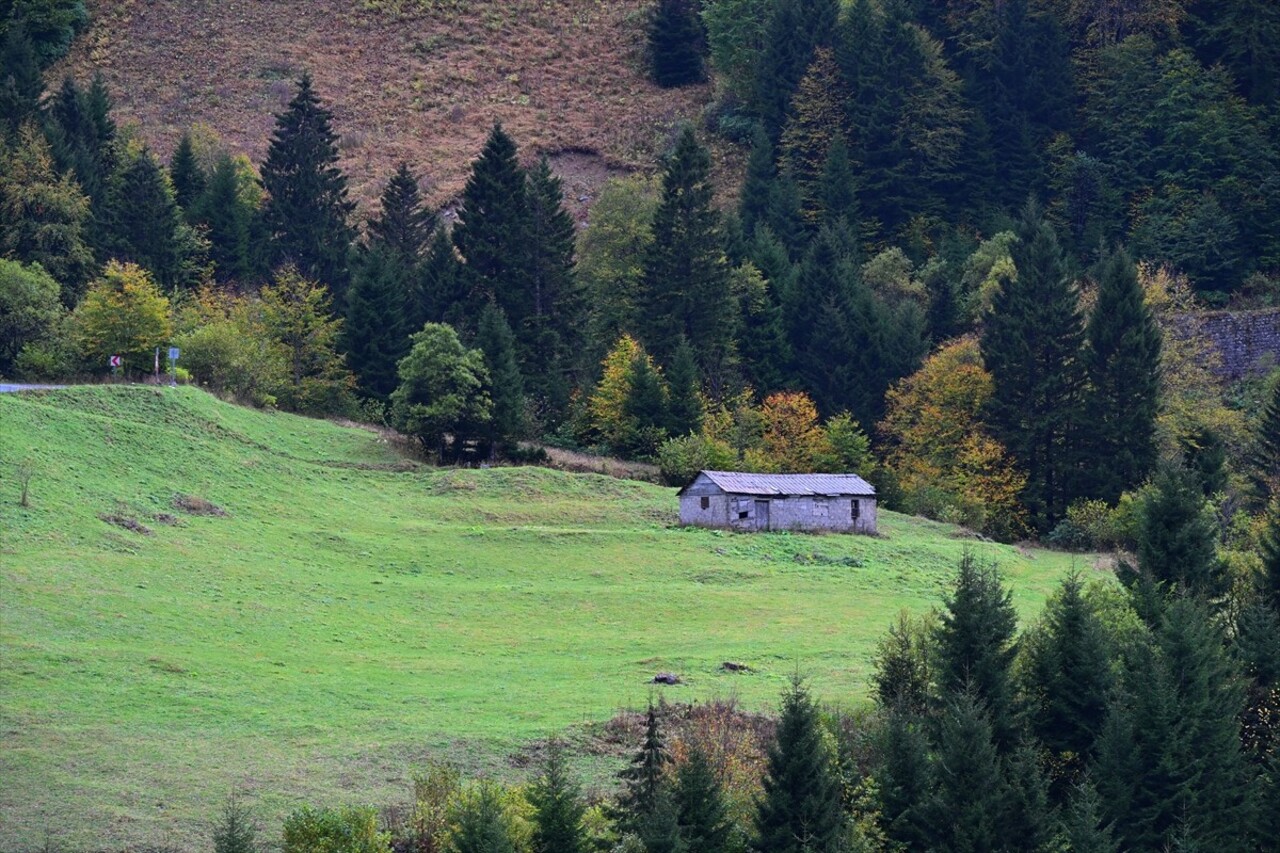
(415, 80)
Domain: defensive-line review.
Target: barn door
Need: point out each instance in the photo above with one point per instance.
(762, 515)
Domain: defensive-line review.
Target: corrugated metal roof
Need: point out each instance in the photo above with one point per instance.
(791, 484)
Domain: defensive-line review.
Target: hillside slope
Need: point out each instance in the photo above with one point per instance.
(353, 614)
(414, 80)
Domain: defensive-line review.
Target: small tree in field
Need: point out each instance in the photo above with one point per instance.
(235, 831)
(123, 314)
(442, 390)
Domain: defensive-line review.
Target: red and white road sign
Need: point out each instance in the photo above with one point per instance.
(116, 361)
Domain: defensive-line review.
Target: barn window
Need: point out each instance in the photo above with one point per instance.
(743, 515)
(706, 503)
(854, 509)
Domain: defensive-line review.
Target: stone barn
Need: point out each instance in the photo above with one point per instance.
(841, 503)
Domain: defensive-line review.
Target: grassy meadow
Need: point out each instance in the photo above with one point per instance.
(353, 615)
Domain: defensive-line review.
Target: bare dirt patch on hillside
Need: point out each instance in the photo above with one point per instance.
(416, 81)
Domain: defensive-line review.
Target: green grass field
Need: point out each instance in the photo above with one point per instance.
(353, 616)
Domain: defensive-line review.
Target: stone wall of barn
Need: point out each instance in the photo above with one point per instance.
(743, 512)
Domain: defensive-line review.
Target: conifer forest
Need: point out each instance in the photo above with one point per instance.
(953, 246)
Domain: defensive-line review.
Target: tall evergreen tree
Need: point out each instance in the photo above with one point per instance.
(1038, 378)
(558, 807)
(815, 120)
(705, 826)
(441, 294)
(905, 780)
(795, 28)
(1083, 829)
(81, 136)
(644, 779)
(307, 214)
(1067, 681)
(1173, 752)
(498, 343)
(493, 230)
(975, 643)
(224, 215)
(800, 809)
(684, 412)
(374, 336)
(553, 331)
(185, 173)
(675, 43)
(1122, 363)
(1264, 456)
(645, 408)
(1178, 537)
(21, 83)
(403, 227)
(1028, 822)
(837, 191)
(143, 224)
(686, 278)
(969, 801)
(1269, 581)
(43, 215)
(757, 186)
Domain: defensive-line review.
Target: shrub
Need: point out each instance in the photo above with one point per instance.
(682, 458)
(352, 829)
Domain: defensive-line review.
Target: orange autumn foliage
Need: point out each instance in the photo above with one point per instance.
(946, 463)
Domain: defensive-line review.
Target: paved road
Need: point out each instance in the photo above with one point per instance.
(10, 388)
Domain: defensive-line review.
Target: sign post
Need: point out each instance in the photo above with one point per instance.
(115, 362)
(174, 352)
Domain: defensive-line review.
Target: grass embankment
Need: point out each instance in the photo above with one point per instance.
(351, 615)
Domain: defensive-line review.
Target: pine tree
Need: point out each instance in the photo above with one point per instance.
(1269, 581)
(800, 809)
(1082, 828)
(1028, 822)
(975, 642)
(902, 667)
(21, 83)
(143, 224)
(374, 336)
(905, 780)
(1264, 457)
(43, 215)
(481, 823)
(223, 213)
(757, 186)
(81, 136)
(684, 413)
(441, 295)
(645, 408)
(185, 173)
(644, 779)
(554, 331)
(1122, 363)
(659, 829)
(307, 213)
(1205, 455)
(1178, 537)
(837, 192)
(794, 30)
(403, 227)
(1039, 378)
(558, 808)
(686, 277)
(815, 120)
(704, 820)
(498, 343)
(493, 231)
(762, 340)
(675, 43)
(969, 801)
(1067, 681)
(1173, 750)
(235, 831)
